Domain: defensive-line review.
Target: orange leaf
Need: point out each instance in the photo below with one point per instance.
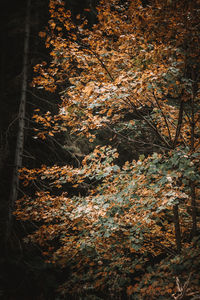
(129, 290)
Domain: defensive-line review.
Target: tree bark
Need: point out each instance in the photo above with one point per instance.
(177, 228)
(21, 126)
(192, 184)
(194, 210)
(180, 120)
(3, 59)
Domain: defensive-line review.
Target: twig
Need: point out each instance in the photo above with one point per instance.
(182, 289)
(39, 98)
(164, 116)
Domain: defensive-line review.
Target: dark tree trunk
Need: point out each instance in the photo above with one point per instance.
(21, 126)
(192, 147)
(194, 211)
(177, 228)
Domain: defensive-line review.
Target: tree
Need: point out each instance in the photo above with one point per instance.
(20, 134)
(133, 79)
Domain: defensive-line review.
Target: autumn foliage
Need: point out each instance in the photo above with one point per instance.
(124, 228)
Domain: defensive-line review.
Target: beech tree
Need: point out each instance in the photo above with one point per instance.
(134, 79)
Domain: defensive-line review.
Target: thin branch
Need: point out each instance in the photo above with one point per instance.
(158, 133)
(180, 121)
(98, 58)
(60, 145)
(164, 116)
(13, 121)
(134, 141)
(40, 98)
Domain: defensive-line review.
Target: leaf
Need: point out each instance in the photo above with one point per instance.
(130, 290)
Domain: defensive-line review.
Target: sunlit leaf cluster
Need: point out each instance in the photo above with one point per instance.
(135, 75)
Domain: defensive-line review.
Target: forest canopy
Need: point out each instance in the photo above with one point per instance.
(122, 217)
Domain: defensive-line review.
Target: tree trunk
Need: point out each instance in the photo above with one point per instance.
(3, 59)
(21, 126)
(180, 121)
(194, 211)
(192, 184)
(177, 228)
